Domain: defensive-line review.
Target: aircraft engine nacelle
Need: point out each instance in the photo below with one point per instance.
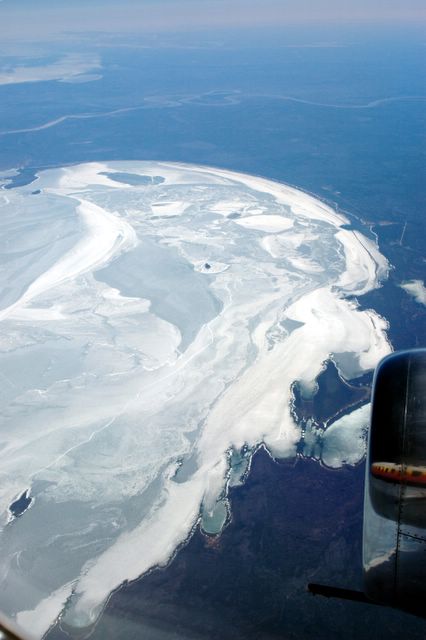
(394, 539)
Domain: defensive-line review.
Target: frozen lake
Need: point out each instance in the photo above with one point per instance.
(155, 318)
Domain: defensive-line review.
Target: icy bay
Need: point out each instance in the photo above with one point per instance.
(155, 318)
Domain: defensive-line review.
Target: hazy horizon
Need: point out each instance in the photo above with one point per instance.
(47, 18)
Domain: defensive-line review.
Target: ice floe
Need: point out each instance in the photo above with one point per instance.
(269, 223)
(68, 68)
(344, 441)
(416, 289)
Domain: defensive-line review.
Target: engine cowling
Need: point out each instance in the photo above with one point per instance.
(394, 538)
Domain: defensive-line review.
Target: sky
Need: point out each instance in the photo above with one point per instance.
(37, 18)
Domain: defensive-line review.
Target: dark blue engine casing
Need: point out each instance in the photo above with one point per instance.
(394, 538)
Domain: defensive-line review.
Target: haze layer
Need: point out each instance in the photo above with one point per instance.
(155, 318)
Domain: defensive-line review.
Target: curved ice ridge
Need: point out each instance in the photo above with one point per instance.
(158, 319)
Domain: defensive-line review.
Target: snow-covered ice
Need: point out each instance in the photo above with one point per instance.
(148, 329)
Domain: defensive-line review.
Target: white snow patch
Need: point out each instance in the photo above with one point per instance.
(416, 289)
